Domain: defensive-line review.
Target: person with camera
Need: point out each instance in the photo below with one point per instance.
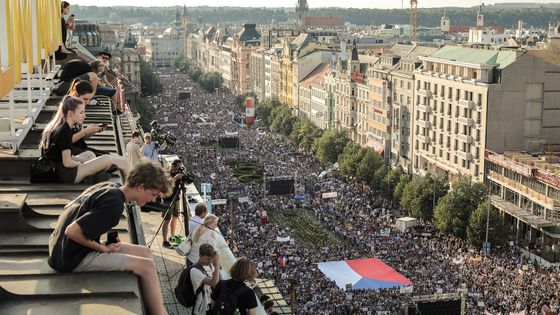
(171, 214)
(75, 245)
(149, 147)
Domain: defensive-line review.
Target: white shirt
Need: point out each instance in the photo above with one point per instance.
(209, 236)
(194, 222)
(201, 305)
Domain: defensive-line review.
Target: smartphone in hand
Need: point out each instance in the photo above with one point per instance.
(112, 237)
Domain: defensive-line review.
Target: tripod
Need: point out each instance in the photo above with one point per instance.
(176, 195)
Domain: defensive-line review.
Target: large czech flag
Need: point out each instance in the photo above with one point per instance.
(367, 273)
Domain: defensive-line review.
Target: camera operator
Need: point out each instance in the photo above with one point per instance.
(171, 214)
(149, 147)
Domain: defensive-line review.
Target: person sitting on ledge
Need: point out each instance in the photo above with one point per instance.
(75, 246)
(58, 132)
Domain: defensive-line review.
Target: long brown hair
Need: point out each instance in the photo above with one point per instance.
(68, 104)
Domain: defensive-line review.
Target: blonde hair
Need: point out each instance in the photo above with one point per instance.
(208, 219)
(68, 104)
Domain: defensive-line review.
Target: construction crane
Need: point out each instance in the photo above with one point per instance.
(413, 6)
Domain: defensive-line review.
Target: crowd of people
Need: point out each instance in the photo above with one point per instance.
(503, 282)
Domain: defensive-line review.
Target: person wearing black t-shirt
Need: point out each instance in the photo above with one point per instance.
(57, 140)
(241, 271)
(75, 246)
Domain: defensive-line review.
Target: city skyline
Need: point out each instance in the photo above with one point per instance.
(395, 4)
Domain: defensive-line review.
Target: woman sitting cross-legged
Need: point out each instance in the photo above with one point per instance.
(59, 133)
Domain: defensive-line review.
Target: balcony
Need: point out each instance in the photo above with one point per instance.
(464, 155)
(424, 123)
(425, 93)
(424, 139)
(465, 138)
(468, 104)
(424, 108)
(465, 121)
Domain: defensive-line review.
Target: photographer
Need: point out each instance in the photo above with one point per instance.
(171, 214)
(149, 148)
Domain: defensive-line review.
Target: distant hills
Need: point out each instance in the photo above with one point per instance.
(503, 14)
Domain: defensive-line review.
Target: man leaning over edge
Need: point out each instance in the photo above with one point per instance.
(75, 243)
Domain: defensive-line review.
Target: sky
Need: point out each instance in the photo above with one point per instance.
(378, 4)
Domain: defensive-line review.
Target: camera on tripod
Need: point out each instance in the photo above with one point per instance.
(166, 138)
(188, 177)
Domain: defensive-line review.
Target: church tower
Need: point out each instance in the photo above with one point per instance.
(480, 16)
(354, 62)
(184, 17)
(445, 24)
(302, 9)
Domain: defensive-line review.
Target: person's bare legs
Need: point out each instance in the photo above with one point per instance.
(165, 229)
(84, 156)
(121, 163)
(139, 260)
(92, 167)
(173, 225)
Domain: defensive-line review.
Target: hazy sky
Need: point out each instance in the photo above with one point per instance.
(381, 4)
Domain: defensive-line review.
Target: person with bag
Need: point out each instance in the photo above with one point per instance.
(75, 243)
(234, 295)
(58, 132)
(195, 284)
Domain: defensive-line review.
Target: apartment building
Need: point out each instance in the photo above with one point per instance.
(258, 73)
(312, 98)
(379, 133)
(468, 100)
(299, 57)
(225, 63)
(402, 78)
(526, 189)
(272, 71)
(162, 49)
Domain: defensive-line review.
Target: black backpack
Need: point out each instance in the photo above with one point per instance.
(226, 304)
(184, 292)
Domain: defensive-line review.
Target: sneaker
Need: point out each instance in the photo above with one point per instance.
(166, 244)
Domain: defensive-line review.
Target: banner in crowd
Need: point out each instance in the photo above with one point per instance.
(218, 202)
(231, 134)
(328, 195)
(282, 239)
(243, 199)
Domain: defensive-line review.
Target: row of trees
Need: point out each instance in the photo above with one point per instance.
(210, 81)
(460, 209)
(538, 16)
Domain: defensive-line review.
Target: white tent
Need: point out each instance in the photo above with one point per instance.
(404, 223)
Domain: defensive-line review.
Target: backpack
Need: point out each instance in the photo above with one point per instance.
(184, 292)
(226, 304)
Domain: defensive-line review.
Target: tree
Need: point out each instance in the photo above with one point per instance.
(367, 163)
(330, 145)
(454, 209)
(150, 83)
(418, 196)
(404, 179)
(349, 159)
(263, 110)
(476, 230)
